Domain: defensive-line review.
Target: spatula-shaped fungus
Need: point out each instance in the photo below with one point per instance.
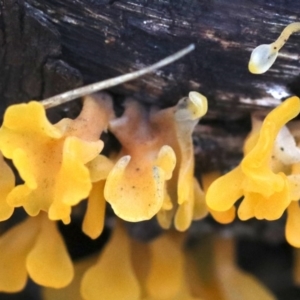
(263, 56)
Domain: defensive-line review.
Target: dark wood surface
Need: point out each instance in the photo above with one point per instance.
(50, 46)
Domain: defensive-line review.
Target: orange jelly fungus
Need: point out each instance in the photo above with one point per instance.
(51, 158)
(141, 184)
(136, 185)
(35, 248)
(266, 193)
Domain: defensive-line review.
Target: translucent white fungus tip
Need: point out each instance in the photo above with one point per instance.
(262, 58)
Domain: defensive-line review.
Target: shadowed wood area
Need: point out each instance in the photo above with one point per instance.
(50, 46)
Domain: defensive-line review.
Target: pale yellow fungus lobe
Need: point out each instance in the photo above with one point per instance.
(112, 277)
(267, 194)
(34, 247)
(187, 114)
(263, 56)
(71, 291)
(127, 269)
(135, 188)
(51, 158)
(166, 275)
(292, 227)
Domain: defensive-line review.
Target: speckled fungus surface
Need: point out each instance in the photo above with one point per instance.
(136, 184)
(141, 183)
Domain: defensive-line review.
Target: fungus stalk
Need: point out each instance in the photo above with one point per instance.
(184, 199)
(263, 56)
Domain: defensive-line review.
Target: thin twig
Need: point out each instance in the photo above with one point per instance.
(98, 86)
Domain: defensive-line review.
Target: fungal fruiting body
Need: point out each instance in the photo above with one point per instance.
(153, 174)
(263, 56)
(127, 269)
(163, 269)
(60, 165)
(142, 183)
(35, 248)
(190, 197)
(183, 190)
(112, 277)
(135, 186)
(268, 175)
(51, 158)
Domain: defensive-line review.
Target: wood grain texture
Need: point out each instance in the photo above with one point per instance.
(50, 46)
(30, 52)
(107, 38)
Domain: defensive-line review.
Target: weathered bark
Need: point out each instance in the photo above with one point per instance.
(102, 39)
